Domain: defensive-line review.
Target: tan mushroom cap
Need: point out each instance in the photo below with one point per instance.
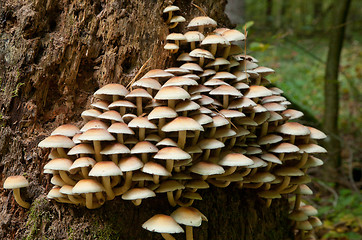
(256, 91)
(188, 216)
(171, 46)
(182, 124)
(226, 90)
(171, 8)
(147, 83)
(105, 168)
(62, 164)
(115, 148)
(13, 182)
(233, 35)
(68, 130)
(187, 105)
(176, 36)
(293, 114)
(235, 159)
(312, 148)
(122, 103)
(169, 186)
(138, 193)
(144, 147)
(206, 168)
(192, 67)
(194, 36)
(214, 39)
(276, 107)
(288, 171)
(56, 141)
(87, 186)
(100, 104)
(96, 134)
(162, 224)
(139, 92)
(270, 139)
(130, 164)
(202, 21)
(162, 112)
(186, 58)
(243, 102)
(155, 169)
(172, 93)
(111, 115)
(284, 148)
(111, 89)
(57, 181)
(177, 19)
(94, 124)
(179, 82)
(316, 134)
(120, 128)
(82, 162)
(55, 193)
(157, 73)
(201, 53)
(167, 142)
(141, 122)
(174, 153)
(293, 128)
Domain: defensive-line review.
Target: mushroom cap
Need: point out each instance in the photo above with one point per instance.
(144, 147)
(57, 181)
(90, 114)
(55, 193)
(111, 89)
(311, 148)
(179, 82)
(192, 67)
(316, 134)
(157, 73)
(139, 93)
(121, 103)
(202, 21)
(289, 171)
(271, 158)
(293, 128)
(169, 186)
(235, 159)
(120, 127)
(263, 177)
(155, 169)
(68, 130)
(233, 35)
(284, 148)
(115, 148)
(56, 141)
(210, 143)
(111, 115)
(206, 168)
(82, 148)
(214, 39)
(82, 162)
(172, 92)
(138, 193)
(105, 169)
(87, 186)
(171, 46)
(162, 112)
(176, 36)
(174, 153)
(182, 124)
(194, 36)
(171, 8)
(177, 19)
(62, 164)
(141, 122)
(162, 224)
(187, 105)
(243, 102)
(201, 53)
(270, 139)
(188, 216)
(94, 124)
(147, 83)
(15, 182)
(185, 57)
(130, 164)
(167, 142)
(256, 91)
(226, 90)
(66, 189)
(96, 134)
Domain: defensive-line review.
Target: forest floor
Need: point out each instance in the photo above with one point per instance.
(300, 66)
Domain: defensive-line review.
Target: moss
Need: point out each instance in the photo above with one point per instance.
(37, 218)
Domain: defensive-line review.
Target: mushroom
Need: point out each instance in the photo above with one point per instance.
(15, 183)
(88, 187)
(163, 224)
(169, 10)
(137, 194)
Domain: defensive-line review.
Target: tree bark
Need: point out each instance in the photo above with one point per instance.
(331, 86)
(53, 56)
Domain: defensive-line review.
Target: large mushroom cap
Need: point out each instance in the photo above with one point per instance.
(96, 134)
(181, 124)
(162, 224)
(56, 141)
(202, 21)
(105, 168)
(87, 186)
(15, 182)
(188, 216)
(111, 89)
(68, 130)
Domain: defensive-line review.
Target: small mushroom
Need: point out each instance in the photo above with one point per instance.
(15, 183)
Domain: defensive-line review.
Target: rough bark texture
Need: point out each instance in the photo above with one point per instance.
(331, 86)
(53, 56)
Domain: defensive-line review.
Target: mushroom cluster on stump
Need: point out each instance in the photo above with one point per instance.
(212, 119)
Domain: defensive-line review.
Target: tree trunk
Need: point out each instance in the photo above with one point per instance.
(53, 56)
(269, 13)
(331, 86)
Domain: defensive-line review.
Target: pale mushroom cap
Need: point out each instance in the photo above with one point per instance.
(206, 168)
(276, 107)
(261, 177)
(316, 134)
(122, 103)
(218, 62)
(100, 104)
(172, 92)
(138, 193)
(105, 168)
(284, 148)
(96, 134)
(226, 90)
(210, 143)
(66, 189)
(202, 118)
(199, 53)
(182, 124)
(56, 141)
(162, 224)
(139, 92)
(270, 139)
(311, 148)
(186, 106)
(155, 169)
(215, 39)
(90, 114)
(185, 57)
(62, 164)
(141, 122)
(169, 186)
(15, 182)
(192, 67)
(174, 153)
(157, 73)
(119, 127)
(242, 103)
(112, 89)
(147, 83)
(162, 112)
(82, 148)
(167, 142)
(256, 91)
(177, 19)
(176, 36)
(218, 121)
(227, 113)
(57, 181)
(199, 184)
(233, 35)
(115, 148)
(202, 21)
(55, 193)
(235, 159)
(289, 171)
(94, 124)
(130, 164)
(293, 128)
(83, 162)
(88, 186)
(171, 8)
(111, 115)
(144, 147)
(188, 216)
(171, 46)
(68, 130)
(180, 81)
(194, 36)
(177, 70)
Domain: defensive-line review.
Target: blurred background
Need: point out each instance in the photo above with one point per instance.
(315, 48)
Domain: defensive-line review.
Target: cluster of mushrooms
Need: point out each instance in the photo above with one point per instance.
(210, 120)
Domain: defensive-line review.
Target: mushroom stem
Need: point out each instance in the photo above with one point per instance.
(171, 103)
(100, 199)
(144, 157)
(292, 139)
(258, 80)
(226, 52)
(207, 154)
(161, 123)
(66, 178)
(167, 236)
(75, 200)
(173, 25)
(120, 138)
(169, 17)
(107, 185)
(178, 194)
(297, 202)
(137, 202)
(228, 171)
(219, 184)
(181, 139)
(62, 153)
(193, 46)
(115, 158)
(139, 106)
(89, 200)
(142, 133)
(189, 235)
(213, 49)
(201, 61)
(126, 185)
(196, 138)
(264, 129)
(19, 200)
(302, 161)
(84, 171)
(187, 204)
(225, 101)
(283, 185)
(246, 172)
(169, 165)
(97, 150)
(115, 180)
(268, 202)
(156, 179)
(171, 199)
(232, 142)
